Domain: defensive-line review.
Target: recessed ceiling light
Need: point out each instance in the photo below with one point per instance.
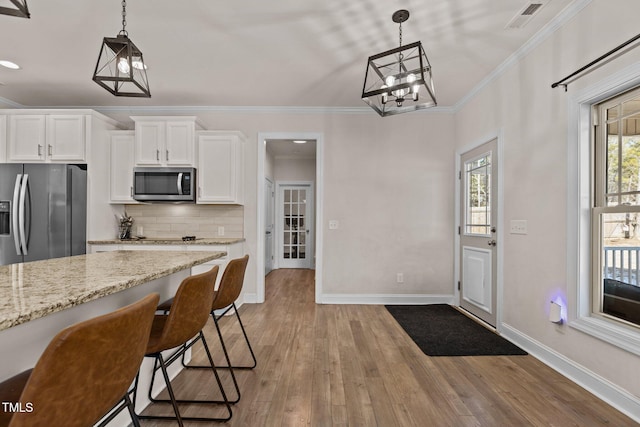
(9, 64)
(299, 141)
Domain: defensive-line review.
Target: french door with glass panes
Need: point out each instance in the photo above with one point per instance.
(295, 225)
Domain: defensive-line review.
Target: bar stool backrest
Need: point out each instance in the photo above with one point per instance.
(231, 283)
(87, 368)
(189, 311)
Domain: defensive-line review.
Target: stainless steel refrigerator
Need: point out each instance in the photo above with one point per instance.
(43, 211)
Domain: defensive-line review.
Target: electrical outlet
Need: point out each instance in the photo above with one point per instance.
(140, 231)
(220, 231)
(399, 278)
(334, 224)
(518, 226)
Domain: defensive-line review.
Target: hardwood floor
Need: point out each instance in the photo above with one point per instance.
(353, 365)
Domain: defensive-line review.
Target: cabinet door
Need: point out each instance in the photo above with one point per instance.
(66, 138)
(150, 138)
(27, 138)
(121, 181)
(179, 143)
(3, 138)
(218, 163)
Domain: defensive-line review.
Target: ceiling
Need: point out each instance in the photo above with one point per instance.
(276, 53)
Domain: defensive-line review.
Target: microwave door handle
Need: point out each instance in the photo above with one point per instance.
(15, 213)
(23, 208)
(180, 174)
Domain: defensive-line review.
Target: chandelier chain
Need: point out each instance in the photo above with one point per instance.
(400, 34)
(124, 17)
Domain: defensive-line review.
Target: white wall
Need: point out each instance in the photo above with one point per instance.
(534, 123)
(294, 169)
(389, 183)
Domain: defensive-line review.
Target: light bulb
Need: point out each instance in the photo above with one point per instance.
(390, 80)
(138, 64)
(400, 93)
(123, 66)
(411, 78)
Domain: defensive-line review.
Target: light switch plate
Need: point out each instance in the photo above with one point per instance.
(518, 226)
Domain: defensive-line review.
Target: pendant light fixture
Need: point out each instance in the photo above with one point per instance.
(19, 9)
(399, 80)
(120, 68)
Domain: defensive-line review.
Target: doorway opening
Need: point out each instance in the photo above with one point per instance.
(289, 205)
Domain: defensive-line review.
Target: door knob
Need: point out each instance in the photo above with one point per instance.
(491, 242)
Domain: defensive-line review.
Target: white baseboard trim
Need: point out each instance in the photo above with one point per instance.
(381, 299)
(371, 299)
(615, 396)
(248, 299)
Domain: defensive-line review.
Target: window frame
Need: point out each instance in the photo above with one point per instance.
(580, 194)
(601, 193)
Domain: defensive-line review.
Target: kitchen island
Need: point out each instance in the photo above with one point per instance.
(38, 299)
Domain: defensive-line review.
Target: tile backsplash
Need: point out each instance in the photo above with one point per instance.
(177, 220)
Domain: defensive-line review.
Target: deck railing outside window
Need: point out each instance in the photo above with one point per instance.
(622, 263)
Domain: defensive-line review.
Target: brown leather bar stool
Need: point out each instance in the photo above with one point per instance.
(224, 299)
(180, 330)
(84, 372)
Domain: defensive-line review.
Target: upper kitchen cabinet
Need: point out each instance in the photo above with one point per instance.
(121, 167)
(3, 138)
(220, 167)
(46, 138)
(164, 141)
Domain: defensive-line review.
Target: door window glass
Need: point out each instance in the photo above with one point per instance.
(477, 195)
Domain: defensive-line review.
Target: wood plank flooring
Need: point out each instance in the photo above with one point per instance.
(353, 365)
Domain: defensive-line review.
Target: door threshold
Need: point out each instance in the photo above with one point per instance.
(475, 318)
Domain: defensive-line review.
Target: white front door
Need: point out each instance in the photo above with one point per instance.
(478, 217)
(269, 202)
(295, 225)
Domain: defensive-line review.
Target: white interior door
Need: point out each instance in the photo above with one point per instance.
(295, 225)
(269, 201)
(478, 254)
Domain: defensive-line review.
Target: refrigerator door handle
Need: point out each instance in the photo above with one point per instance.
(23, 208)
(15, 214)
(180, 175)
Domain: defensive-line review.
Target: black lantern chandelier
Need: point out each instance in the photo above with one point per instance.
(120, 68)
(20, 9)
(399, 80)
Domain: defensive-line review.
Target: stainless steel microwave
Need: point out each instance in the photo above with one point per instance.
(164, 184)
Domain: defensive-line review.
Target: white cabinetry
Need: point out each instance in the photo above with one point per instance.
(220, 167)
(121, 167)
(46, 138)
(164, 141)
(3, 138)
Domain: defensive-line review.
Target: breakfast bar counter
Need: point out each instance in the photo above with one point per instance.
(35, 289)
(38, 299)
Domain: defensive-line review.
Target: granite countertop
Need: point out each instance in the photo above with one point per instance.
(35, 289)
(169, 241)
